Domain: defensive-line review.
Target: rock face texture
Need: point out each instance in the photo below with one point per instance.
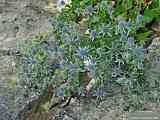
(19, 19)
(153, 70)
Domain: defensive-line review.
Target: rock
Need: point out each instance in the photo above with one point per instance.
(9, 43)
(87, 109)
(5, 115)
(153, 65)
(3, 36)
(156, 26)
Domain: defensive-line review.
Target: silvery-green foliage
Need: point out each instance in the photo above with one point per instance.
(120, 60)
(110, 52)
(38, 63)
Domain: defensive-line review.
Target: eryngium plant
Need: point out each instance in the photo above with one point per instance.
(107, 50)
(93, 51)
